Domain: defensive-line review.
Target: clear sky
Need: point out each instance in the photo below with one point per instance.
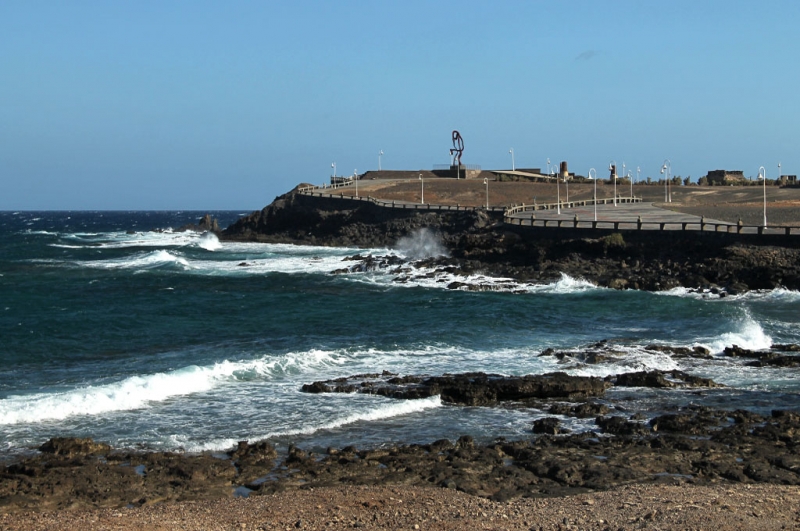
(224, 105)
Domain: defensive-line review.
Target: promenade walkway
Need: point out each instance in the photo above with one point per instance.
(633, 216)
(623, 213)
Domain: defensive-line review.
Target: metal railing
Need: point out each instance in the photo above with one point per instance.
(471, 167)
(312, 191)
(700, 226)
(515, 209)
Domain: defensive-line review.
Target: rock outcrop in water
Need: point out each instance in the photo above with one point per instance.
(477, 241)
(470, 389)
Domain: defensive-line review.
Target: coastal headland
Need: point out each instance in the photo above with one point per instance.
(721, 257)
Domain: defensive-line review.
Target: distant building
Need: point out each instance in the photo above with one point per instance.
(726, 177)
(789, 180)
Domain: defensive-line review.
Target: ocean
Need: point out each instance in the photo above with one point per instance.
(116, 326)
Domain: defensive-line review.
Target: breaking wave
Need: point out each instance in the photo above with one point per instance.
(422, 243)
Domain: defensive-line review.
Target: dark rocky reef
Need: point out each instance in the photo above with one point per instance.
(481, 389)
(471, 389)
(712, 264)
(73, 473)
(694, 445)
(660, 379)
(774, 357)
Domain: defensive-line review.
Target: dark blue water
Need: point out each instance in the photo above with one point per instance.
(114, 325)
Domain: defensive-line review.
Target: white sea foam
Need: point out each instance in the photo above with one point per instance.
(778, 294)
(137, 392)
(414, 275)
(146, 260)
(633, 360)
(422, 243)
(566, 284)
(122, 240)
(782, 295)
(209, 242)
(388, 408)
(747, 333)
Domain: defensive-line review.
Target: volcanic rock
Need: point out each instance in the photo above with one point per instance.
(661, 379)
(473, 389)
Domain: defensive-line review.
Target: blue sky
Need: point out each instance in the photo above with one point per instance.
(224, 105)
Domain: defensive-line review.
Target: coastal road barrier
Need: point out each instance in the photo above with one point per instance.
(396, 204)
(684, 226)
(515, 216)
(515, 209)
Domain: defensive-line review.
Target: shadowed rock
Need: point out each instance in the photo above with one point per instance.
(661, 379)
(681, 352)
(472, 389)
(69, 446)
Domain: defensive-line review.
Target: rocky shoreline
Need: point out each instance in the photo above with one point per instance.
(478, 242)
(690, 445)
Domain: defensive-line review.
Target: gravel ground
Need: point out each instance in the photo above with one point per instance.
(721, 507)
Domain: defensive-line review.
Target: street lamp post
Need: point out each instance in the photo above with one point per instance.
(638, 177)
(355, 179)
(762, 174)
(422, 189)
(548, 166)
(630, 179)
(779, 171)
(595, 190)
(486, 182)
(558, 192)
(566, 184)
(667, 167)
(380, 154)
(623, 170)
(513, 168)
(333, 165)
(613, 168)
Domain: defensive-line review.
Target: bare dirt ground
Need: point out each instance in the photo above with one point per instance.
(716, 202)
(723, 507)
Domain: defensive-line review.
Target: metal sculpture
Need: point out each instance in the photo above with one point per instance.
(458, 147)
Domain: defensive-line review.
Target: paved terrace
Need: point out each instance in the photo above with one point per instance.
(642, 216)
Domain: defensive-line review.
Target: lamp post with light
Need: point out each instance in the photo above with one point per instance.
(422, 190)
(548, 166)
(779, 171)
(638, 177)
(558, 192)
(486, 182)
(631, 181)
(762, 174)
(380, 154)
(595, 190)
(333, 165)
(355, 179)
(667, 167)
(513, 167)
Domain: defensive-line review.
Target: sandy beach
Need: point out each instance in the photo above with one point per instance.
(720, 507)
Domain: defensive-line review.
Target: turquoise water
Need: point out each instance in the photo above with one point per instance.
(115, 326)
